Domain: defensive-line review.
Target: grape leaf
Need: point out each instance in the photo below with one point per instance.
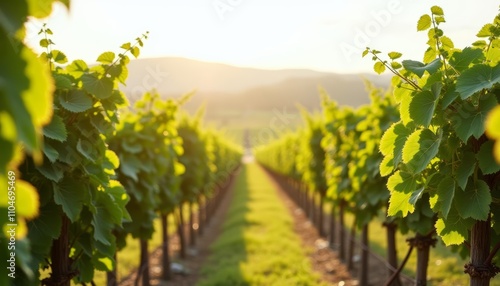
(477, 78)
(76, 101)
(475, 201)
(487, 162)
(454, 230)
(424, 22)
(106, 58)
(70, 195)
(50, 152)
(419, 68)
(101, 88)
(56, 129)
(470, 120)
(402, 186)
(436, 10)
(465, 169)
(461, 60)
(446, 193)
(420, 148)
(77, 68)
(422, 107)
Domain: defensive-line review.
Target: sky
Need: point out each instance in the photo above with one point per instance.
(321, 35)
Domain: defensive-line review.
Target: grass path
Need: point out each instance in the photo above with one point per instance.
(257, 245)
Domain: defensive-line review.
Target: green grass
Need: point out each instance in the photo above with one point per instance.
(257, 245)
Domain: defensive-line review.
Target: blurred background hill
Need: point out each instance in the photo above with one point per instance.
(240, 98)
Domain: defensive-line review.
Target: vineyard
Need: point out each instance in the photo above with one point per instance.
(86, 175)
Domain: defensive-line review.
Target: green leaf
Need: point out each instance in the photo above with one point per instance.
(424, 22)
(461, 60)
(446, 192)
(419, 68)
(40, 9)
(97, 174)
(106, 58)
(447, 43)
(28, 195)
(107, 214)
(70, 195)
(493, 55)
(122, 77)
(422, 107)
(135, 52)
(45, 228)
(50, 152)
(402, 186)
(430, 55)
(85, 268)
(393, 141)
(416, 195)
(436, 10)
(58, 57)
(477, 78)
(87, 149)
(103, 249)
(394, 55)
(386, 166)
(77, 68)
(439, 19)
(62, 81)
(481, 44)
(76, 101)
(420, 148)
(404, 106)
(44, 43)
(486, 161)
(103, 263)
(470, 120)
(25, 92)
(51, 171)
(449, 96)
(396, 65)
(485, 31)
(492, 123)
(111, 162)
(126, 46)
(100, 88)
(475, 201)
(465, 169)
(132, 148)
(129, 165)
(56, 129)
(13, 16)
(379, 67)
(101, 124)
(454, 230)
(120, 196)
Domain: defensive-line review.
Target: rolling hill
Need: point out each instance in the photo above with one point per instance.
(224, 87)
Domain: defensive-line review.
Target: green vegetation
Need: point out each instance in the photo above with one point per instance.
(257, 245)
(422, 158)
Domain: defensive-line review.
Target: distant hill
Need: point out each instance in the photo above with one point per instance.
(224, 87)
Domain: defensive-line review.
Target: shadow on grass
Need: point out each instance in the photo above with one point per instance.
(229, 250)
